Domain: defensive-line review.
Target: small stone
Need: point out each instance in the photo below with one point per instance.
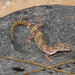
(3, 38)
(2, 41)
(3, 45)
(2, 32)
(6, 36)
(74, 27)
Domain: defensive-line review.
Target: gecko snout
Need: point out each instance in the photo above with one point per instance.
(63, 46)
(69, 48)
(66, 47)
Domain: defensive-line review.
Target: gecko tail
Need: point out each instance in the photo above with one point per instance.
(19, 22)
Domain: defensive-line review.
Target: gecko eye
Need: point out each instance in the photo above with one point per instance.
(64, 47)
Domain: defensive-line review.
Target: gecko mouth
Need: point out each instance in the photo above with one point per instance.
(69, 49)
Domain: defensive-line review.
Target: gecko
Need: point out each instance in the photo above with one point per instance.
(39, 38)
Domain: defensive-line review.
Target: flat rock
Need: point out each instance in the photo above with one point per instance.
(59, 26)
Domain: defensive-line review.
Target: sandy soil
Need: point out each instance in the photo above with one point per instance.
(9, 6)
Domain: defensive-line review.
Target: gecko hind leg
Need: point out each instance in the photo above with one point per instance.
(46, 56)
(29, 39)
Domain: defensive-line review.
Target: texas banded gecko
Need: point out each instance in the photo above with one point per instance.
(40, 38)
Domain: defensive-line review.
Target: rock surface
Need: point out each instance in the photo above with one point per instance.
(59, 26)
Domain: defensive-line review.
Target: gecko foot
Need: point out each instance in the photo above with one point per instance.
(40, 21)
(46, 56)
(27, 41)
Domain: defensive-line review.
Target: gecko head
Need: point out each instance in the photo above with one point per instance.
(62, 46)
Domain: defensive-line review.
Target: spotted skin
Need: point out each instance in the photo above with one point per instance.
(40, 38)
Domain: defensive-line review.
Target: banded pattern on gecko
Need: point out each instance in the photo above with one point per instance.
(40, 38)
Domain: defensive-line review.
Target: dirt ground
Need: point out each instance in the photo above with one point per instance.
(9, 6)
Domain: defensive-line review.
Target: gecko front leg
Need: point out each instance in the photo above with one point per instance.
(41, 23)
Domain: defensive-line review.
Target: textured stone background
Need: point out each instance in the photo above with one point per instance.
(59, 26)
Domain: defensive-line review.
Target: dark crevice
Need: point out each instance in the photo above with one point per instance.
(59, 68)
(50, 72)
(17, 69)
